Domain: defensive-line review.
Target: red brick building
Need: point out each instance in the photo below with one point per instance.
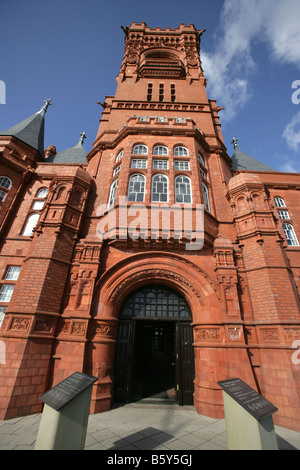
(144, 308)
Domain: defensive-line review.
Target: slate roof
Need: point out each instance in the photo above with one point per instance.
(75, 154)
(242, 161)
(30, 131)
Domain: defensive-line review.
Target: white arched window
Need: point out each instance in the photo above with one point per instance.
(39, 200)
(31, 222)
(159, 188)
(140, 150)
(119, 156)
(183, 190)
(42, 193)
(136, 188)
(181, 151)
(113, 193)
(290, 235)
(279, 202)
(160, 150)
(5, 183)
(206, 197)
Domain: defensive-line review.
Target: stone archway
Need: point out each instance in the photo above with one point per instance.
(117, 283)
(155, 357)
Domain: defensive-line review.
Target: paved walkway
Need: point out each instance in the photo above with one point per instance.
(140, 427)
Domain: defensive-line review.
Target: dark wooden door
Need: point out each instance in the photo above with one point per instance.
(148, 350)
(123, 361)
(185, 368)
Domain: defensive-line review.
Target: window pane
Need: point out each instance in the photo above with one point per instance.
(140, 150)
(183, 190)
(32, 220)
(139, 163)
(290, 235)
(42, 193)
(6, 292)
(181, 151)
(2, 314)
(113, 193)
(136, 188)
(283, 215)
(181, 165)
(160, 150)
(160, 188)
(117, 170)
(160, 164)
(12, 273)
(2, 195)
(5, 182)
(279, 202)
(119, 156)
(38, 205)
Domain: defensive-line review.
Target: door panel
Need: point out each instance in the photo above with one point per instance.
(122, 371)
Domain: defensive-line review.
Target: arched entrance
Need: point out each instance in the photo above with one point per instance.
(155, 355)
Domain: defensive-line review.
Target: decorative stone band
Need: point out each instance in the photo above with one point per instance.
(97, 330)
(258, 335)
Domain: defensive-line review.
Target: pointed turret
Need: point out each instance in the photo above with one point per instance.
(75, 154)
(31, 130)
(242, 161)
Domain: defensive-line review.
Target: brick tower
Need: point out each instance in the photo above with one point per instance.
(111, 282)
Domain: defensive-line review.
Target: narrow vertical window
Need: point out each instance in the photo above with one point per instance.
(161, 92)
(31, 222)
(279, 202)
(136, 189)
(149, 92)
(206, 197)
(113, 193)
(2, 315)
(290, 235)
(5, 184)
(6, 292)
(160, 188)
(12, 273)
(173, 96)
(183, 191)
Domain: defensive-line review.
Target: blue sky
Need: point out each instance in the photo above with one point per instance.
(71, 52)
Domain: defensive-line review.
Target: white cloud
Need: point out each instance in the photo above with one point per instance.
(243, 23)
(291, 132)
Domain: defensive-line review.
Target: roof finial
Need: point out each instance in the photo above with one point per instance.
(234, 142)
(47, 103)
(83, 136)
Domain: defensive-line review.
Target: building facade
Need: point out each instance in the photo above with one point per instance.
(156, 262)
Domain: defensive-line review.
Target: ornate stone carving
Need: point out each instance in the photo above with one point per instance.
(234, 333)
(104, 329)
(78, 328)
(291, 334)
(212, 334)
(44, 325)
(156, 274)
(269, 334)
(20, 323)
